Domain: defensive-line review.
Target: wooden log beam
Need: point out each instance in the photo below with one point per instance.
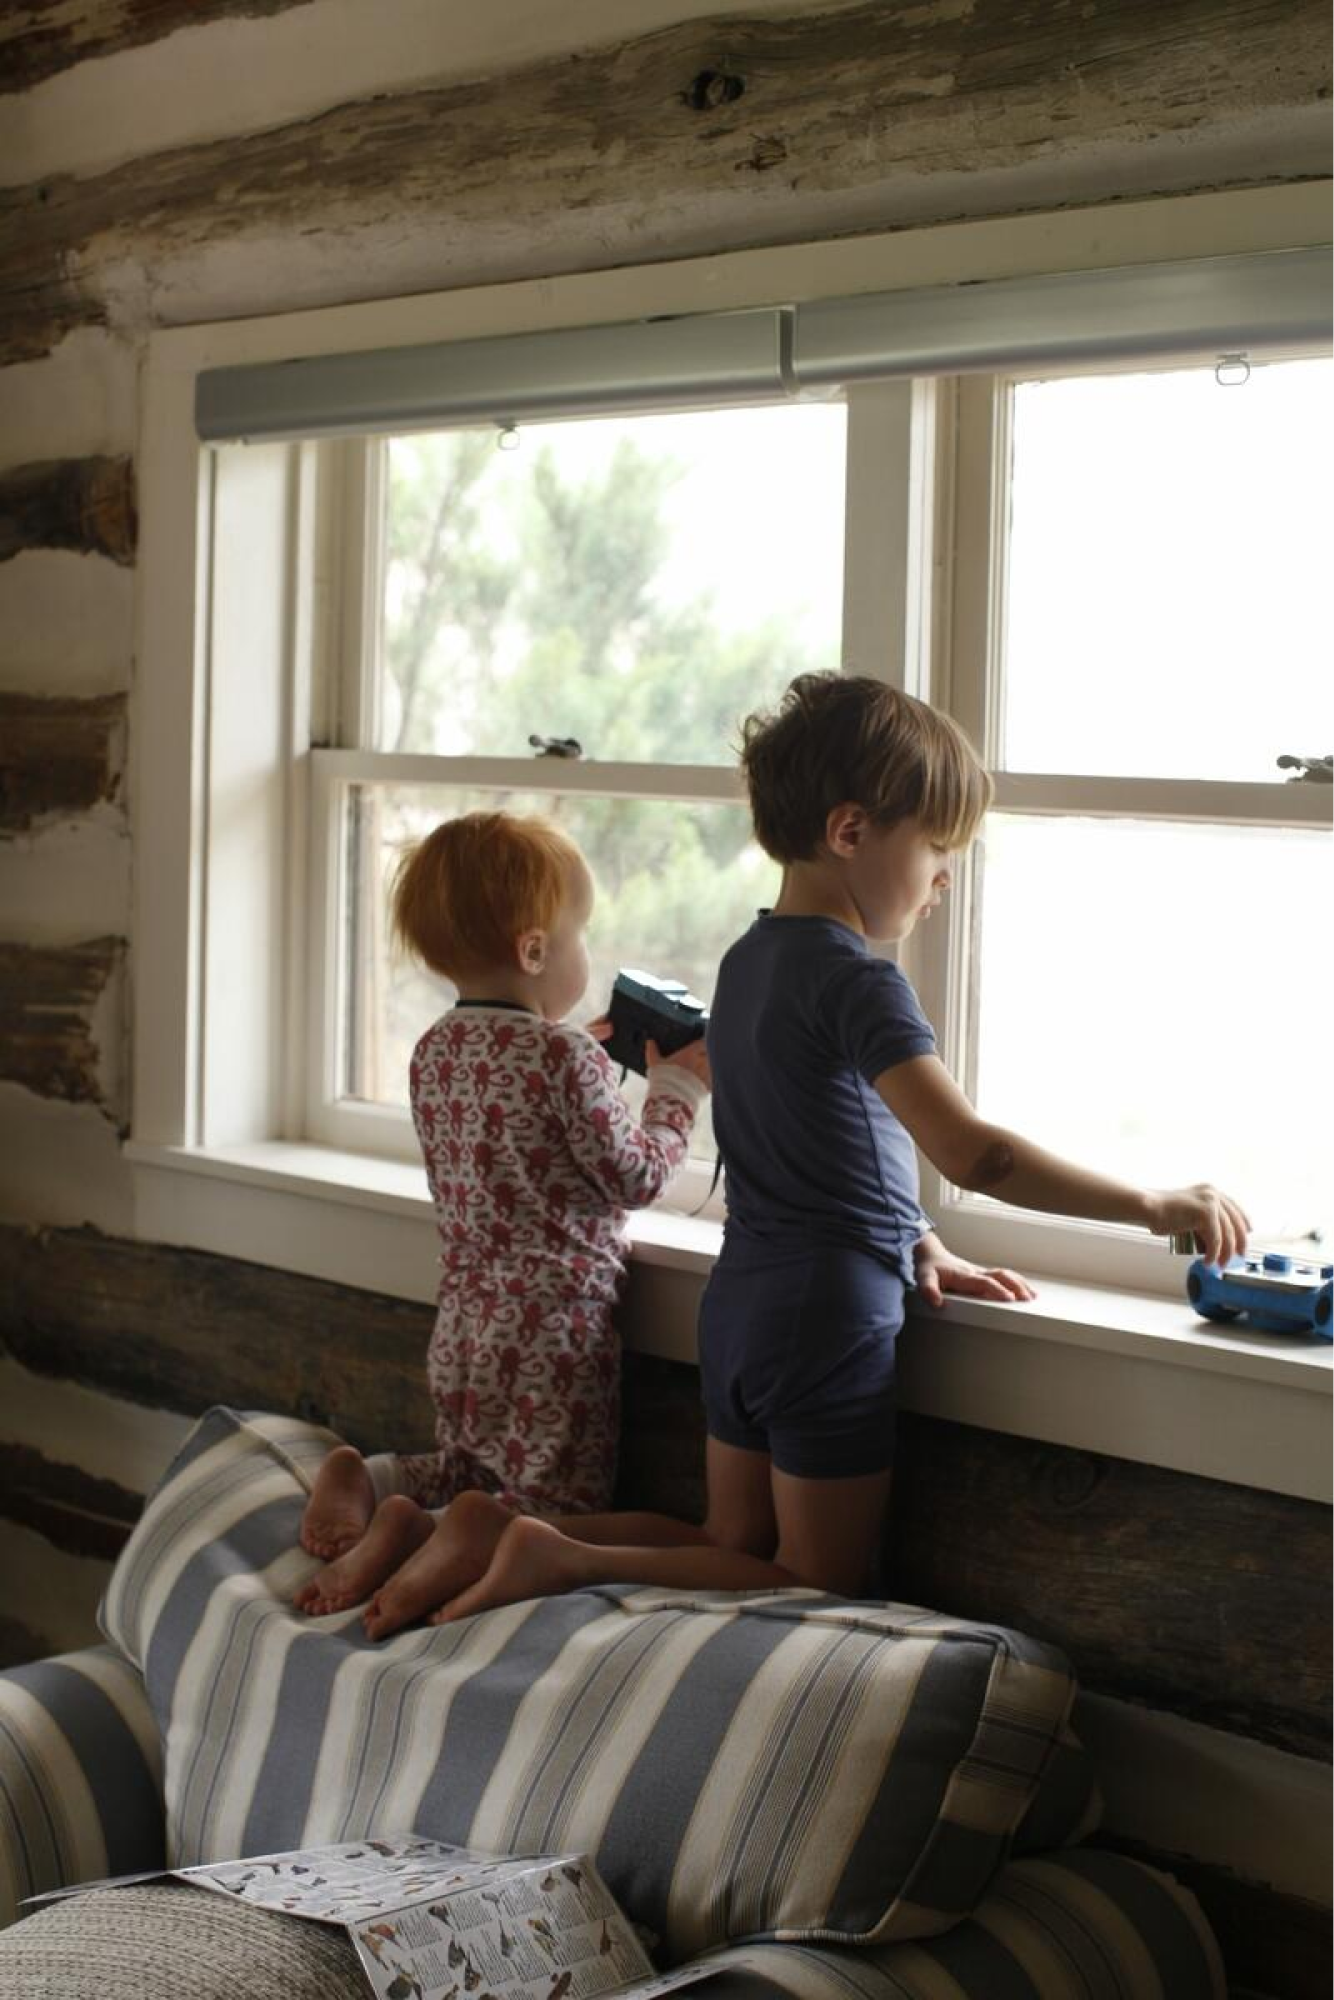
(1183, 1593)
(19, 1643)
(48, 999)
(74, 1511)
(83, 504)
(709, 135)
(43, 37)
(661, 1464)
(1271, 1942)
(180, 1330)
(58, 758)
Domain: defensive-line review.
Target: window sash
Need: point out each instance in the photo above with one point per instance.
(941, 959)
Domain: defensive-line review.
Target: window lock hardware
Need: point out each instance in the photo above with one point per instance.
(1232, 370)
(1308, 770)
(556, 746)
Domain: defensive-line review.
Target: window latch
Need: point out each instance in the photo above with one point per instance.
(556, 746)
(1308, 770)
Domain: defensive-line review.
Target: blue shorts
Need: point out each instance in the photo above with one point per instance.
(796, 1355)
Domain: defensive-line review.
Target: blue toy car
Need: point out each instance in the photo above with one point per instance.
(1278, 1294)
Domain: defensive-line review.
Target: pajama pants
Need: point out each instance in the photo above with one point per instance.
(527, 1398)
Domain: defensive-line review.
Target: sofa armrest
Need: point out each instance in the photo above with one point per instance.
(80, 1774)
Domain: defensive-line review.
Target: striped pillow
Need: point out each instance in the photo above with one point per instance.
(1072, 1926)
(773, 1765)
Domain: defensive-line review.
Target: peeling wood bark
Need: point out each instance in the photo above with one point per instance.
(73, 1510)
(180, 1330)
(1196, 1597)
(58, 758)
(43, 37)
(47, 998)
(867, 118)
(83, 504)
(1187, 1594)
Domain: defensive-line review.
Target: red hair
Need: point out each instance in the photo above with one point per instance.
(463, 895)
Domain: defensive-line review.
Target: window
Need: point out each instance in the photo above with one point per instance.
(1141, 949)
(635, 583)
(260, 720)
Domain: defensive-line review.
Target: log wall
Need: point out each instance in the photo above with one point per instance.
(163, 161)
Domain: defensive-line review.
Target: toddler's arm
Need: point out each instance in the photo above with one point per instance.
(989, 1159)
(629, 1159)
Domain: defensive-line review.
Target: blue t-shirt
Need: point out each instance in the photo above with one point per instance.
(803, 1021)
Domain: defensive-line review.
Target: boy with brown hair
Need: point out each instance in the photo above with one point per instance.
(826, 1082)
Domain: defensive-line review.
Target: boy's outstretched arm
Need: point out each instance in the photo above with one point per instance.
(989, 1159)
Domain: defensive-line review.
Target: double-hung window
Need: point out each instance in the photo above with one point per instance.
(1140, 957)
(407, 577)
(567, 617)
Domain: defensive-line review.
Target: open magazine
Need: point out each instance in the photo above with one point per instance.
(434, 1922)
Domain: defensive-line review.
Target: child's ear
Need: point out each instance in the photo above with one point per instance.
(845, 827)
(530, 948)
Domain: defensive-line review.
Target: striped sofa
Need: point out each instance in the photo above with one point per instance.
(816, 1795)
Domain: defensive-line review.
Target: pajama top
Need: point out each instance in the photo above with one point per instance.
(532, 1153)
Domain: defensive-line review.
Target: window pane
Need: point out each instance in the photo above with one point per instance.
(1154, 1004)
(1168, 610)
(675, 885)
(636, 582)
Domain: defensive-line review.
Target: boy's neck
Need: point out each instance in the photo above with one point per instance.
(817, 889)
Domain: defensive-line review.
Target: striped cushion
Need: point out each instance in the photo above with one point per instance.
(1077, 1927)
(80, 1775)
(1073, 1926)
(772, 1765)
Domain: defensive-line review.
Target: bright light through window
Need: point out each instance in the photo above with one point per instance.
(1154, 1003)
(1168, 610)
(637, 583)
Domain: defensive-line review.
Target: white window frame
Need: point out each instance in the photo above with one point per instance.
(887, 469)
(942, 959)
(221, 895)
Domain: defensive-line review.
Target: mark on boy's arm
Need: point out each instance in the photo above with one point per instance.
(993, 1167)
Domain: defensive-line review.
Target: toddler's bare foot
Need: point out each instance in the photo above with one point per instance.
(399, 1527)
(457, 1553)
(340, 1506)
(532, 1559)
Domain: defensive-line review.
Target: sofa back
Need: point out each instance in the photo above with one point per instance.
(773, 1765)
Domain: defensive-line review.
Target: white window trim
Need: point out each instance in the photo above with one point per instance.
(251, 1193)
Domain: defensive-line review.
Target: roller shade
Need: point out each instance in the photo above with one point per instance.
(650, 364)
(1144, 312)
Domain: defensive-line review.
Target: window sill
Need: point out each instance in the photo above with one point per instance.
(1088, 1366)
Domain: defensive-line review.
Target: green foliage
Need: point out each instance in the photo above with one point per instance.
(520, 602)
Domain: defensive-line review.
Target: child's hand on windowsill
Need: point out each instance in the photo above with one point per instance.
(937, 1271)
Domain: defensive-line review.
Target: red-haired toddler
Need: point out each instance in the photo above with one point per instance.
(532, 1156)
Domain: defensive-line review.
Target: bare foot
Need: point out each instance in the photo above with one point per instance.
(456, 1554)
(399, 1527)
(340, 1506)
(532, 1559)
